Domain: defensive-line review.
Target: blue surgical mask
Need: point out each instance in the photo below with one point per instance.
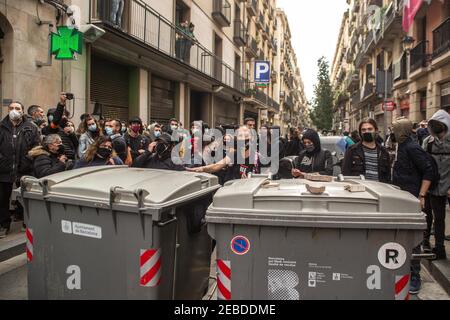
(50, 118)
(157, 134)
(92, 128)
(109, 131)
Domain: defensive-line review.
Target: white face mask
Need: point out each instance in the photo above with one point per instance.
(15, 115)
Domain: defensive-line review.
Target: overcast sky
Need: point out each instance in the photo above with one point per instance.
(315, 27)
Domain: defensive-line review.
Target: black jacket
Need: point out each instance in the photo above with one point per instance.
(354, 162)
(136, 144)
(70, 141)
(293, 148)
(321, 162)
(412, 166)
(15, 142)
(151, 161)
(46, 163)
(120, 146)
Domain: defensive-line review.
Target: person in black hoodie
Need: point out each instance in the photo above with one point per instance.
(313, 159)
(17, 136)
(161, 158)
(294, 145)
(49, 158)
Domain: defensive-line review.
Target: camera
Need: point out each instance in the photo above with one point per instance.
(69, 96)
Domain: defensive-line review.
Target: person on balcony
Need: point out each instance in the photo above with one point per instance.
(116, 12)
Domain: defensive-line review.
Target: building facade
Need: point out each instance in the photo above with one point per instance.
(188, 59)
(379, 67)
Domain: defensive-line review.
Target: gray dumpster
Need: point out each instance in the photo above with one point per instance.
(277, 241)
(118, 233)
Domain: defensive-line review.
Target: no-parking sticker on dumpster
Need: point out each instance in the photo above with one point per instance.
(240, 245)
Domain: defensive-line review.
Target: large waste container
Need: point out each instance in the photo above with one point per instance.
(278, 241)
(118, 233)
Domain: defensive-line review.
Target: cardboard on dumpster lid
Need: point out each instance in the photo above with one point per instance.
(318, 177)
(315, 188)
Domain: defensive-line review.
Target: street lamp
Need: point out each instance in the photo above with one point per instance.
(408, 43)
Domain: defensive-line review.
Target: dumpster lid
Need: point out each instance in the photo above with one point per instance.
(284, 202)
(97, 184)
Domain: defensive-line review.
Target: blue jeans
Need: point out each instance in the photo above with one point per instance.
(117, 11)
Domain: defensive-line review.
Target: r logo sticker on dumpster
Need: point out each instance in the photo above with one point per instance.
(392, 256)
(240, 245)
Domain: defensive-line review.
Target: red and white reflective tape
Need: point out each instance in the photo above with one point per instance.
(29, 234)
(402, 287)
(223, 280)
(150, 267)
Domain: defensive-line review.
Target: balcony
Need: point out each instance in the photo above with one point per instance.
(267, 33)
(289, 102)
(383, 83)
(419, 56)
(252, 7)
(400, 71)
(239, 33)
(158, 36)
(274, 76)
(367, 91)
(252, 47)
(260, 23)
(260, 55)
(275, 47)
(356, 98)
(265, 3)
(275, 24)
(441, 39)
(222, 12)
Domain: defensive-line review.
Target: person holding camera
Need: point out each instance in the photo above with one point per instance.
(58, 124)
(49, 158)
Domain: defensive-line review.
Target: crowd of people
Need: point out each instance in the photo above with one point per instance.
(414, 157)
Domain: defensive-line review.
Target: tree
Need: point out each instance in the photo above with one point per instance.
(322, 111)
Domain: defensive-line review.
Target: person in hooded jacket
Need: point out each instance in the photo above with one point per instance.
(438, 145)
(90, 130)
(50, 158)
(313, 158)
(412, 172)
(160, 157)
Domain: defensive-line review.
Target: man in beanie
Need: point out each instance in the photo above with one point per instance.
(313, 159)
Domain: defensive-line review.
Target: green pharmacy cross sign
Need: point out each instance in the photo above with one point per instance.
(66, 43)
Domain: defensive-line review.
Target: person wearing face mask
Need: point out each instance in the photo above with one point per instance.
(89, 132)
(50, 158)
(35, 113)
(137, 142)
(100, 153)
(313, 159)
(412, 172)
(438, 146)
(160, 157)
(66, 132)
(243, 160)
(154, 131)
(112, 130)
(18, 136)
(173, 126)
(368, 157)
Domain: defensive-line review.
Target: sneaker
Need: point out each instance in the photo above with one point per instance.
(3, 232)
(426, 246)
(415, 285)
(440, 253)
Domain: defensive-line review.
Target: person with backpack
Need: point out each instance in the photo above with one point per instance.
(413, 172)
(438, 146)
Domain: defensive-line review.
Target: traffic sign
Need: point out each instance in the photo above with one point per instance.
(66, 42)
(389, 106)
(262, 71)
(240, 245)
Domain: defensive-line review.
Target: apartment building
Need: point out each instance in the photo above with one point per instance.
(383, 63)
(188, 59)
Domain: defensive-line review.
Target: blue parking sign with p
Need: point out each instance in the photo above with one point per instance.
(262, 71)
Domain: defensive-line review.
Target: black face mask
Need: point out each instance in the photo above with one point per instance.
(61, 149)
(368, 137)
(104, 153)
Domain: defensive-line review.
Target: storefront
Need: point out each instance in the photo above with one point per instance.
(109, 89)
(162, 100)
(225, 112)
